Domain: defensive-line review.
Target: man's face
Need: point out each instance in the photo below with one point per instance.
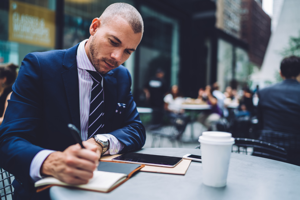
(160, 75)
(111, 43)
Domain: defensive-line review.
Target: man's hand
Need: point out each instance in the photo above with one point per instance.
(74, 165)
(99, 147)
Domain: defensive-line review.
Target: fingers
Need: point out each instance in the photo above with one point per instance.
(79, 165)
(84, 154)
(88, 155)
(76, 176)
(82, 164)
(75, 180)
(91, 144)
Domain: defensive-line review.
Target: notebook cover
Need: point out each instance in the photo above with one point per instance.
(129, 169)
(123, 168)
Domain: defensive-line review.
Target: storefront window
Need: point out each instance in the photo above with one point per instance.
(26, 26)
(159, 47)
(242, 70)
(225, 56)
(233, 64)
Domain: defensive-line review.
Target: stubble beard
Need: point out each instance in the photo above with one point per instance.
(97, 63)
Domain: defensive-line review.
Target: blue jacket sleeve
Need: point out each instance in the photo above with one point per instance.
(18, 132)
(132, 134)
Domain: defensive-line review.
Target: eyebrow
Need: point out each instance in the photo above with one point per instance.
(120, 42)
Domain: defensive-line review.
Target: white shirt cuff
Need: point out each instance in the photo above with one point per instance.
(115, 146)
(36, 164)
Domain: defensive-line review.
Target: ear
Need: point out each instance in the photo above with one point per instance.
(298, 78)
(94, 26)
(281, 75)
(3, 80)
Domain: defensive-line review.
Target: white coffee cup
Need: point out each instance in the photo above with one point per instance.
(215, 151)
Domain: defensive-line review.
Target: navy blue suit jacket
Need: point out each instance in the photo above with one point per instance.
(279, 114)
(280, 106)
(46, 98)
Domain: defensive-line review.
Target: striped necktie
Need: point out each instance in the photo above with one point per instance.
(96, 118)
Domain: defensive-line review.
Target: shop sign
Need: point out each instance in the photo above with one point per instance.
(31, 24)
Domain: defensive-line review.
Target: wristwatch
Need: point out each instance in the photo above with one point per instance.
(102, 141)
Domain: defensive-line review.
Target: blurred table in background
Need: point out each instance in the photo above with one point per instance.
(145, 115)
(144, 110)
(231, 103)
(194, 109)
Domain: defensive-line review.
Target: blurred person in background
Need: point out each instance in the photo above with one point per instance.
(246, 106)
(220, 97)
(279, 110)
(173, 101)
(8, 75)
(208, 118)
(228, 92)
(231, 96)
(155, 91)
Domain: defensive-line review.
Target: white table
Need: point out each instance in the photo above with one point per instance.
(249, 178)
(144, 110)
(194, 108)
(233, 105)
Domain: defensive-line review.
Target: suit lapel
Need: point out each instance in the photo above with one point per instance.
(110, 96)
(70, 79)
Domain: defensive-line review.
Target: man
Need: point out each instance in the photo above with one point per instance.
(220, 97)
(279, 110)
(155, 91)
(212, 116)
(56, 88)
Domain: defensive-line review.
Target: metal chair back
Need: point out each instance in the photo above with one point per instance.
(259, 148)
(6, 188)
(173, 132)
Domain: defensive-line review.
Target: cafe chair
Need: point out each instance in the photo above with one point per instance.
(240, 127)
(245, 127)
(173, 132)
(259, 148)
(6, 189)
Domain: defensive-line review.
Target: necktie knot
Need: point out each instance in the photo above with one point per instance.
(95, 76)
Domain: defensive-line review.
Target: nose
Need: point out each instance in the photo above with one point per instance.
(117, 55)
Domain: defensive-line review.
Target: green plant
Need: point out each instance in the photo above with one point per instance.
(293, 47)
(278, 78)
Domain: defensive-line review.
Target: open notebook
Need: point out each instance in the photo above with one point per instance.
(108, 177)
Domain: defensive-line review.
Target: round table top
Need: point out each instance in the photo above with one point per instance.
(144, 110)
(195, 106)
(249, 177)
(233, 105)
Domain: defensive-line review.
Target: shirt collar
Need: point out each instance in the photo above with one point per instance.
(83, 62)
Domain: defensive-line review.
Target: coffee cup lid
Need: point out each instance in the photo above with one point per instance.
(216, 138)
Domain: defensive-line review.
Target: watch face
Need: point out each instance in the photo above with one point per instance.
(102, 141)
(101, 138)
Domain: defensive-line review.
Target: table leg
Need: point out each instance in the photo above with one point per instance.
(192, 129)
(193, 119)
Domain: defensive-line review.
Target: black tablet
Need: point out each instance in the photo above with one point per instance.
(156, 160)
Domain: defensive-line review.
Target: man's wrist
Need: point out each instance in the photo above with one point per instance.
(103, 141)
(46, 169)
